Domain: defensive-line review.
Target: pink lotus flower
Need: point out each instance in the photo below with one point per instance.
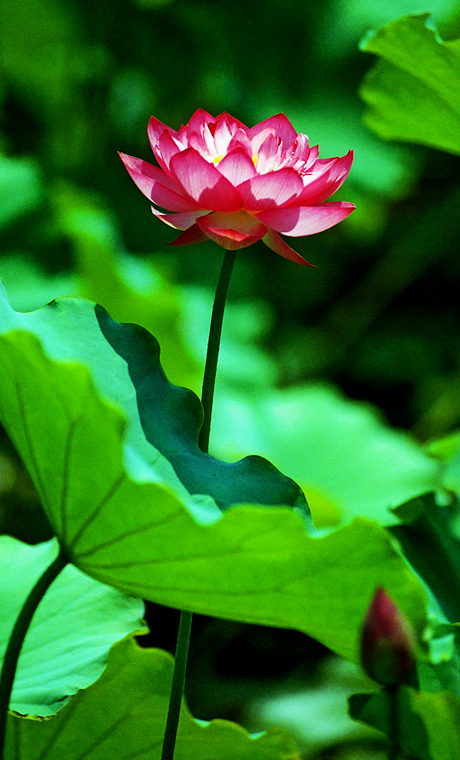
(237, 185)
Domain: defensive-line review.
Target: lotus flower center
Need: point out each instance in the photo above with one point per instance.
(219, 158)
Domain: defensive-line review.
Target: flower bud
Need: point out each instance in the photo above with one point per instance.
(387, 642)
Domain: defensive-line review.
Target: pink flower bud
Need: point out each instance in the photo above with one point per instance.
(387, 642)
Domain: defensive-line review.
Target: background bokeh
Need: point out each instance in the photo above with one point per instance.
(379, 315)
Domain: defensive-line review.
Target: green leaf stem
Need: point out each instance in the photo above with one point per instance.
(76, 623)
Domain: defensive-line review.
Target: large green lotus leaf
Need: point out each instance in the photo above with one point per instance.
(413, 91)
(121, 524)
(348, 462)
(163, 419)
(429, 724)
(67, 644)
(123, 716)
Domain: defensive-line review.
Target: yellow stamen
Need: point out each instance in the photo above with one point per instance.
(218, 159)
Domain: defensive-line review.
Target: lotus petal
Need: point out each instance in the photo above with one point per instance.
(296, 221)
(270, 191)
(156, 185)
(276, 243)
(203, 182)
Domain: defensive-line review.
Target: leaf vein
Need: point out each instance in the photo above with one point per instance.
(66, 478)
(99, 740)
(127, 534)
(96, 511)
(61, 725)
(237, 550)
(39, 484)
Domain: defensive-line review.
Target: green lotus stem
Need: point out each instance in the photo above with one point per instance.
(207, 396)
(215, 331)
(177, 686)
(18, 635)
(393, 736)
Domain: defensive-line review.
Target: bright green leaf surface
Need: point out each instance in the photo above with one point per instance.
(123, 526)
(67, 645)
(123, 716)
(413, 91)
(429, 723)
(124, 362)
(347, 461)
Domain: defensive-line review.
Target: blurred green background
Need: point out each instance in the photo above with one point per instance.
(378, 316)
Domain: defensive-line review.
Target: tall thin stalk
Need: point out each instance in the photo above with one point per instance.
(393, 737)
(212, 355)
(207, 397)
(18, 635)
